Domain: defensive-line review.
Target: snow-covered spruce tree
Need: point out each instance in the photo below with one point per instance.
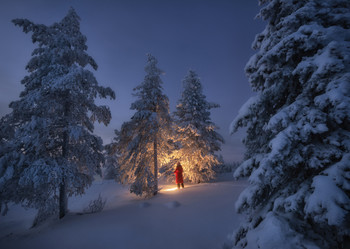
(52, 152)
(196, 132)
(111, 165)
(298, 128)
(142, 142)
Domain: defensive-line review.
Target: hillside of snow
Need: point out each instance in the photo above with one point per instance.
(199, 216)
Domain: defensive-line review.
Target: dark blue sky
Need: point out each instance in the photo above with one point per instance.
(212, 37)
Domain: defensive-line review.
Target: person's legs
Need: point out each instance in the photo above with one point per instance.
(182, 184)
(178, 185)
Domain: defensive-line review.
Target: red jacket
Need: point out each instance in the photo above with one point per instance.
(178, 174)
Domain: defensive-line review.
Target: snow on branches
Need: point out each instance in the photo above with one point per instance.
(52, 151)
(298, 133)
(198, 140)
(142, 143)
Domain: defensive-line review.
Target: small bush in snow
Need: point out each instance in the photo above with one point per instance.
(96, 206)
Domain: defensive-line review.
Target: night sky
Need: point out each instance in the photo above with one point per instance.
(211, 37)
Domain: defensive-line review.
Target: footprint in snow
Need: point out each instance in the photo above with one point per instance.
(172, 204)
(144, 205)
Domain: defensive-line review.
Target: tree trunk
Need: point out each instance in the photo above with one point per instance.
(63, 200)
(155, 165)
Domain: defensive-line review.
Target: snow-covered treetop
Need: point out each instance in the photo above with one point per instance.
(57, 68)
(63, 39)
(193, 108)
(150, 96)
(303, 44)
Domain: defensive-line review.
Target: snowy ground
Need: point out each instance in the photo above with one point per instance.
(200, 216)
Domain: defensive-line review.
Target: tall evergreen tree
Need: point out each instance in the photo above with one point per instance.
(53, 153)
(298, 132)
(196, 132)
(142, 142)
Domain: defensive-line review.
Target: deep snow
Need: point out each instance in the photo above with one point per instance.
(199, 216)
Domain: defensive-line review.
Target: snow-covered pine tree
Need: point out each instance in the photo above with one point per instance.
(142, 142)
(196, 132)
(298, 128)
(53, 153)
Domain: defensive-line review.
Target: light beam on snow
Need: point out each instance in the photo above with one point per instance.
(170, 189)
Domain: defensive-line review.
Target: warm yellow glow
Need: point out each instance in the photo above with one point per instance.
(170, 189)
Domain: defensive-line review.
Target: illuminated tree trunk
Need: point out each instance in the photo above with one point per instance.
(155, 165)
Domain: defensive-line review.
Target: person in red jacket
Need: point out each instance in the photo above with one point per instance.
(178, 174)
